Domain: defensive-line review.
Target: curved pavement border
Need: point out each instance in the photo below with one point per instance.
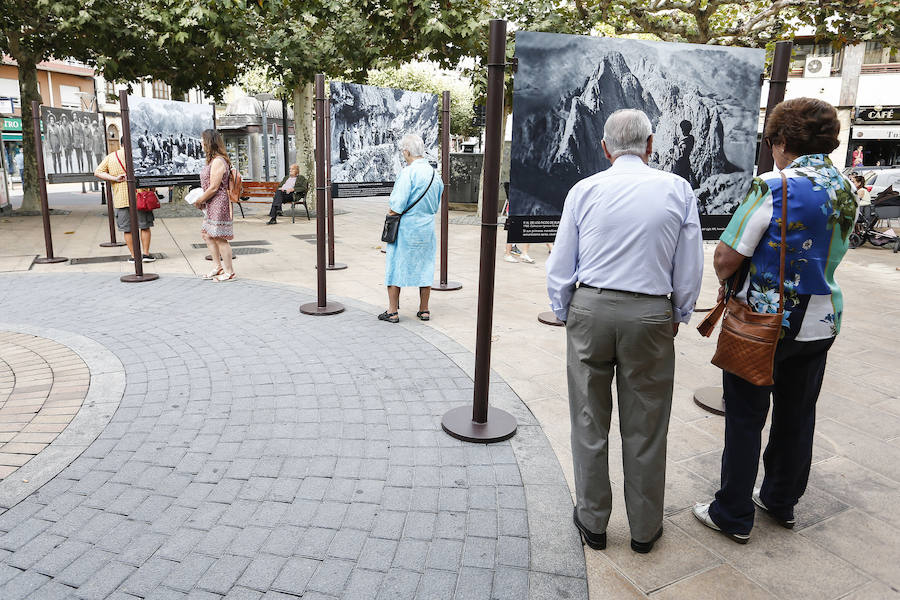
(107, 384)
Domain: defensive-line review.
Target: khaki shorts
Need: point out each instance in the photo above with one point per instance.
(123, 219)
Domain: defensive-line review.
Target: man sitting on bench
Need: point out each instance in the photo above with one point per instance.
(283, 194)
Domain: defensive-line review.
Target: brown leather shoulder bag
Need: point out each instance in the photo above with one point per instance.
(748, 339)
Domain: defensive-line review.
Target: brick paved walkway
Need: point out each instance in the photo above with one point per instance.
(256, 451)
(42, 386)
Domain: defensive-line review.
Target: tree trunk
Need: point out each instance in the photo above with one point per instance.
(28, 91)
(304, 137)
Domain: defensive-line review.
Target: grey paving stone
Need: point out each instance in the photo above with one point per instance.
(512, 551)
(177, 547)
(249, 541)
(475, 583)
(141, 548)
(83, 567)
(389, 524)
(482, 523)
(223, 574)
(40, 546)
(53, 590)
(444, 554)
(242, 593)
(331, 577)
(314, 542)
(294, 576)
(261, 572)
(22, 534)
(188, 572)
(545, 585)
(451, 525)
(22, 585)
(61, 557)
(411, 555)
(398, 584)
(104, 581)
(148, 577)
(436, 585)
(346, 544)
(363, 585)
(419, 525)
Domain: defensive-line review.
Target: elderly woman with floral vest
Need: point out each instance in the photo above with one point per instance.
(821, 211)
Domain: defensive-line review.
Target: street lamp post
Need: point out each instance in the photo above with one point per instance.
(264, 99)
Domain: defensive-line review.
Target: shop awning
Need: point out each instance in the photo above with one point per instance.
(12, 136)
(876, 132)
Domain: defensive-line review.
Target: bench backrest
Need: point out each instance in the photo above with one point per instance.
(259, 189)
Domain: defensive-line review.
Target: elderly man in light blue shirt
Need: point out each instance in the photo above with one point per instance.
(624, 273)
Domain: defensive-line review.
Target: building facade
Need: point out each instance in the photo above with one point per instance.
(61, 83)
(863, 82)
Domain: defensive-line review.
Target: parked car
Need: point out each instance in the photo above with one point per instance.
(877, 179)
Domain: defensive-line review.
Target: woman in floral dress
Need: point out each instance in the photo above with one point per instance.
(218, 219)
(821, 211)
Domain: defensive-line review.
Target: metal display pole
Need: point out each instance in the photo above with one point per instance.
(110, 211)
(443, 285)
(329, 199)
(265, 128)
(710, 398)
(42, 187)
(321, 306)
(139, 274)
(284, 134)
(483, 423)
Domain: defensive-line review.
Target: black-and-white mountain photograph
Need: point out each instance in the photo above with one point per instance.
(367, 123)
(165, 139)
(703, 103)
(74, 144)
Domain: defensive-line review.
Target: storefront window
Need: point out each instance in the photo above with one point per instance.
(877, 54)
(110, 91)
(237, 149)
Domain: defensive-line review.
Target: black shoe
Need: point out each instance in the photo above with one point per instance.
(597, 541)
(279, 214)
(645, 547)
(271, 221)
(131, 260)
(148, 258)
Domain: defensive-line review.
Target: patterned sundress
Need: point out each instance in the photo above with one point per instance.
(219, 219)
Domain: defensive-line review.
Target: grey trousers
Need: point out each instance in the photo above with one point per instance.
(630, 336)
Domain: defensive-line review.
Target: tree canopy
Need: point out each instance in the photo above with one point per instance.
(420, 77)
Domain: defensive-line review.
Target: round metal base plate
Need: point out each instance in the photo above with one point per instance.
(336, 267)
(710, 399)
(450, 286)
(313, 308)
(112, 244)
(46, 261)
(138, 278)
(209, 257)
(500, 425)
(548, 318)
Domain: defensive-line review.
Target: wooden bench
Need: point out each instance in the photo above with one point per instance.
(264, 191)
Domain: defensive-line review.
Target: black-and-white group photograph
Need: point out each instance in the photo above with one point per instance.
(703, 103)
(74, 144)
(366, 124)
(165, 139)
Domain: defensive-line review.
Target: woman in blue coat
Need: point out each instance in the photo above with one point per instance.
(410, 260)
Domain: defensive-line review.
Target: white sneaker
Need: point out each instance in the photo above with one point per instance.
(509, 258)
(787, 524)
(701, 511)
(527, 259)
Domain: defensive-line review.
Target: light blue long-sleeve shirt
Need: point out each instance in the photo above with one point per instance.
(630, 228)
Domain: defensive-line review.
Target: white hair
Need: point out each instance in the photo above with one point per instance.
(626, 132)
(413, 144)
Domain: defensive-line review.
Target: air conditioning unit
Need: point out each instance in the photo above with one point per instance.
(817, 66)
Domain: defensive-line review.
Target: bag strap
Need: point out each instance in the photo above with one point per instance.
(120, 161)
(784, 186)
(708, 324)
(420, 197)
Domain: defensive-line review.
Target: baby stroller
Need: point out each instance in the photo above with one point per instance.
(885, 206)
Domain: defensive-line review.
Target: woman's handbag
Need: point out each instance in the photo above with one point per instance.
(392, 222)
(147, 199)
(748, 339)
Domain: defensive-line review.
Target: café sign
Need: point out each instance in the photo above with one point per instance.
(878, 114)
